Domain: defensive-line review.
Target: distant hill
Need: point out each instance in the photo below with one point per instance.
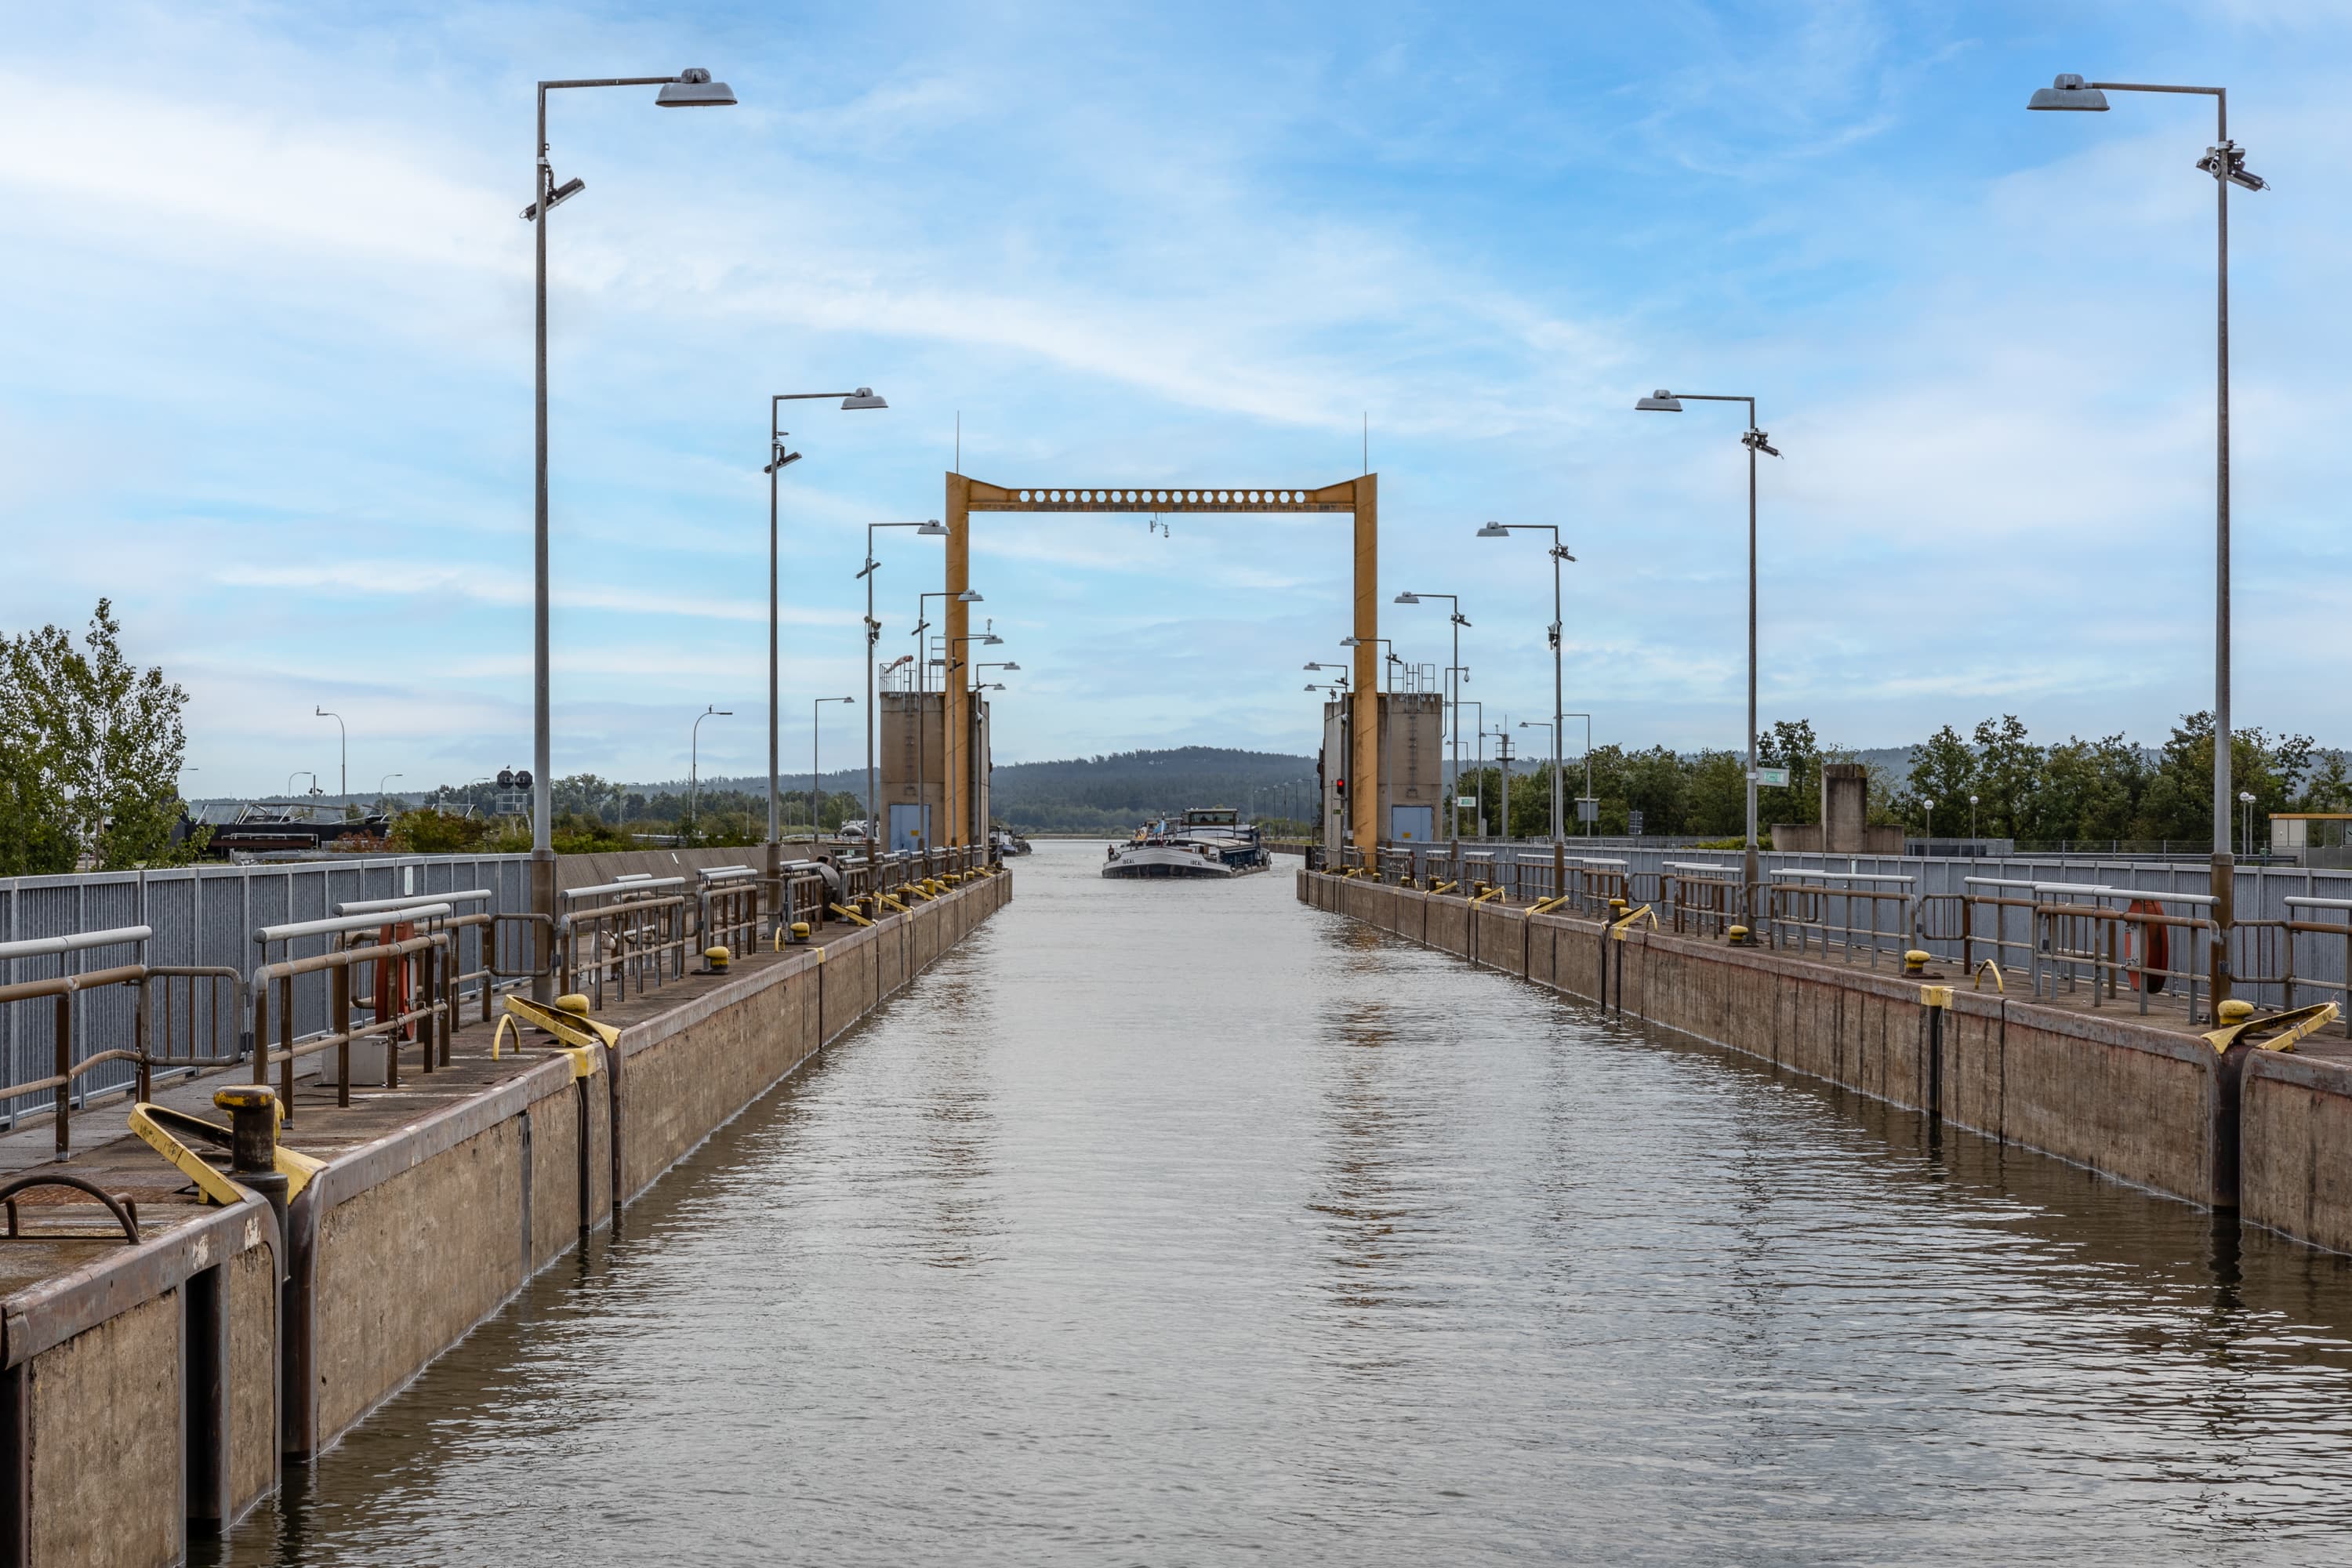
(1109, 794)
(1113, 794)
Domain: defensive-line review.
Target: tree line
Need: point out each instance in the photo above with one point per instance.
(2107, 789)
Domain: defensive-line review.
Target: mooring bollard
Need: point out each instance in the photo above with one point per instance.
(1915, 962)
(253, 1151)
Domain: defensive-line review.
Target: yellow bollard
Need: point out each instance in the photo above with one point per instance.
(1738, 935)
(1915, 962)
(715, 959)
(2236, 1012)
(572, 1002)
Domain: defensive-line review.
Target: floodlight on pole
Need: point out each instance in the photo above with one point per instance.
(2225, 162)
(690, 89)
(1664, 401)
(929, 528)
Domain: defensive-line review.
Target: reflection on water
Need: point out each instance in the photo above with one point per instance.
(1180, 1224)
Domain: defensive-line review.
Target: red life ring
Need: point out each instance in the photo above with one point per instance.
(2157, 955)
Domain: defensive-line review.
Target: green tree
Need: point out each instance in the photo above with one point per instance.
(90, 750)
(1788, 743)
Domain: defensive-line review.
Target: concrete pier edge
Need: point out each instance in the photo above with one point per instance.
(2151, 1107)
(157, 1392)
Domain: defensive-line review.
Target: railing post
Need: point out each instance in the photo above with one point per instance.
(64, 1074)
(285, 1043)
(340, 988)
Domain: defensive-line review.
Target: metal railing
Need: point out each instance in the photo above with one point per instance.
(2337, 936)
(1819, 904)
(68, 989)
(638, 931)
(1700, 897)
(2078, 934)
(407, 994)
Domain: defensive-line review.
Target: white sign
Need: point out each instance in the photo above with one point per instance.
(1588, 809)
(1465, 801)
(1771, 778)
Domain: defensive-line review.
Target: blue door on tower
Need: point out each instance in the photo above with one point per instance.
(910, 826)
(1412, 823)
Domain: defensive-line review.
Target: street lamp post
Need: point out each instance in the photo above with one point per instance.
(690, 89)
(1972, 821)
(922, 723)
(1930, 846)
(816, 778)
(2225, 161)
(929, 529)
(1755, 440)
(2246, 815)
(694, 764)
(1454, 692)
(1557, 764)
(1477, 766)
(779, 457)
(381, 798)
(948, 763)
(1559, 555)
(344, 795)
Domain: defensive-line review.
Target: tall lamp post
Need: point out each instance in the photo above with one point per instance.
(1559, 555)
(1453, 697)
(2225, 161)
(344, 794)
(929, 529)
(690, 89)
(694, 763)
(779, 457)
(1755, 440)
(816, 778)
(381, 798)
(922, 722)
(948, 763)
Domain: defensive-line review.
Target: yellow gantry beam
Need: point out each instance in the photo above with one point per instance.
(1360, 496)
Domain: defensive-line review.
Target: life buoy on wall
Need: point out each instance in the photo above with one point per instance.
(2148, 950)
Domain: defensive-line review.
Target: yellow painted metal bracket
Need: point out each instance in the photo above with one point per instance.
(1935, 996)
(580, 1035)
(887, 902)
(1489, 893)
(165, 1130)
(1546, 906)
(849, 914)
(1989, 966)
(1617, 932)
(1442, 887)
(2278, 1032)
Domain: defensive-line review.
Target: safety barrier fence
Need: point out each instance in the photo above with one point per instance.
(161, 1038)
(413, 947)
(1813, 907)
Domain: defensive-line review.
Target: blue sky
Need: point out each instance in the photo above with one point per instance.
(268, 382)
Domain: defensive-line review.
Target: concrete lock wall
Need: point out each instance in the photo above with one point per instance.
(2295, 1122)
(394, 1252)
(2139, 1103)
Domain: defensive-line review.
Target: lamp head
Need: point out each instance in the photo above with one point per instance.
(969, 596)
(863, 399)
(2067, 92)
(783, 460)
(556, 198)
(1408, 598)
(1494, 530)
(695, 89)
(2228, 162)
(1010, 664)
(1347, 642)
(934, 529)
(1660, 402)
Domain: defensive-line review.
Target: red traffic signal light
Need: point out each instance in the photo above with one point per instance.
(1341, 786)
